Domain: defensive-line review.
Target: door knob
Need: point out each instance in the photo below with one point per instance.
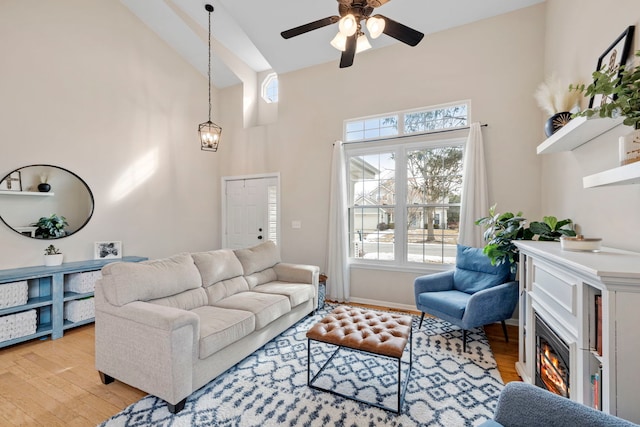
(260, 229)
(259, 237)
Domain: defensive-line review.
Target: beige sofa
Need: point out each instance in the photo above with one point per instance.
(170, 326)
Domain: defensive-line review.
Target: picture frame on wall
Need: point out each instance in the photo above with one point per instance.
(612, 58)
(12, 182)
(107, 250)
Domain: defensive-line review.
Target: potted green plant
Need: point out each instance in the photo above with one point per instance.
(620, 91)
(502, 229)
(52, 256)
(51, 227)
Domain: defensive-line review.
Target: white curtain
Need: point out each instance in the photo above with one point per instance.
(475, 203)
(338, 287)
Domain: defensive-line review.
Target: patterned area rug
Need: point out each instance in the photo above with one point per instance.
(269, 388)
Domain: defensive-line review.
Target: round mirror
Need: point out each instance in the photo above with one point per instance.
(45, 202)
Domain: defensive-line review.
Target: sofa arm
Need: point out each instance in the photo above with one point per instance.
(491, 305)
(437, 282)
(297, 273)
(147, 346)
(522, 404)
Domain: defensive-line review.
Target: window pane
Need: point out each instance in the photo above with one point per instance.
(372, 179)
(371, 128)
(433, 234)
(434, 175)
(372, 233)
(437, 119)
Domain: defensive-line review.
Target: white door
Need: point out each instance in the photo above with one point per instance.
(251, 211)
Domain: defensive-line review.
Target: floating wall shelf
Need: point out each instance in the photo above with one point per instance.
(25, 193)
(577, 132)
(623, 175)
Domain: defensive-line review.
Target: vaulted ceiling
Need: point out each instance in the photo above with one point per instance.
(247, 32)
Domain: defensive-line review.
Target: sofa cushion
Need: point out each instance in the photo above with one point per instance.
(474, 271)
(226, 288)
(186, 300)
(124, 282)
(452, 303)
(297, 293)
(265, 307)
(216, 266)
(261, 277)
(258, 258)
(220, 327)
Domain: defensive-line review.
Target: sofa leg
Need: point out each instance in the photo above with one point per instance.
(421, 319)
(106, 379)
(174, 409)
(504, 329)
(464, 340)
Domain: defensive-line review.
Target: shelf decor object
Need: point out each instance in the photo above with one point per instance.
(209, 132)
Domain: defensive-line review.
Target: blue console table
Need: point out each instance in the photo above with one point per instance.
(47, 295)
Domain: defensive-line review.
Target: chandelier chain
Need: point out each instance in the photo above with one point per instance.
(209, 66)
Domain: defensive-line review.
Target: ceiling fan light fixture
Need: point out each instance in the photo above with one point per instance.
(348, 25)
(363, 43)
(375, 25)
(339, 42)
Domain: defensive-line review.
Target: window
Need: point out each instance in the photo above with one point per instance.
(404, 197)
(270, 88)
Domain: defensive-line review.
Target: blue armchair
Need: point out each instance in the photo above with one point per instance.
(476, 293)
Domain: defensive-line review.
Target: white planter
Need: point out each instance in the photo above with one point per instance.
(630, 148)
(51, 260)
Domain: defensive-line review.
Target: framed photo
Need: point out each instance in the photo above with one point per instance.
(12, 182)
(612, 58)
(107, 250)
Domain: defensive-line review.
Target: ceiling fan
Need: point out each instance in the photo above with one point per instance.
(351, 39)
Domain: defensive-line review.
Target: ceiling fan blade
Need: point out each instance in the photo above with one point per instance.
(401, 32)
(309, 27)
(376, 3)
(346, 60)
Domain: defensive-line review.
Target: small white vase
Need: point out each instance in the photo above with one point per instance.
(51, 260)
(629, 148)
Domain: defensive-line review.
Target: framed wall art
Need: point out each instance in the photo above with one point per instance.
(107, 250)
(612, 58)
(11, 182)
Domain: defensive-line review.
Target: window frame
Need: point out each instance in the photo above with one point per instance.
(400, 145)
(265, 88)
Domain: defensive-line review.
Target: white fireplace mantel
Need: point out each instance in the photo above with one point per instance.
(561, 288)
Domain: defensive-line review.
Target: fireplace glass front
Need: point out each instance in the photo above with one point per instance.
(552, 360)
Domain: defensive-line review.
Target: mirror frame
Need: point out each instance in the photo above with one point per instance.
(93, 201)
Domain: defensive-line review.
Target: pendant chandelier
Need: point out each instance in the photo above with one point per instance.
(209, 132)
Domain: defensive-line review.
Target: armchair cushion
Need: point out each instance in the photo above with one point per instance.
(452, 303)
(474, 271)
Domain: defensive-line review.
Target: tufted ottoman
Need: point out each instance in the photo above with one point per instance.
(380, 334)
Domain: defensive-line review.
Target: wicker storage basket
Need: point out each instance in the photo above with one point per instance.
(81, 309)
(14, 294)
(81, 283)
(18, 325)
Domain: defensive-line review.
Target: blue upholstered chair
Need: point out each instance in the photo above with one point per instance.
(476, 293)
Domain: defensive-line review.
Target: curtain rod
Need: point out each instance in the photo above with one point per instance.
(414, 134)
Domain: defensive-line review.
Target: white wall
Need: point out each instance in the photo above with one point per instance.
(578, 32)
(497, 63)
(88, 87)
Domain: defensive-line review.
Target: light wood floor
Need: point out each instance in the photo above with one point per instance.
(54, 382)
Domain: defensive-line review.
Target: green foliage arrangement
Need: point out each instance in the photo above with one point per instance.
(620, 87)
(52, 250)
(502, 229)
(51, 227)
